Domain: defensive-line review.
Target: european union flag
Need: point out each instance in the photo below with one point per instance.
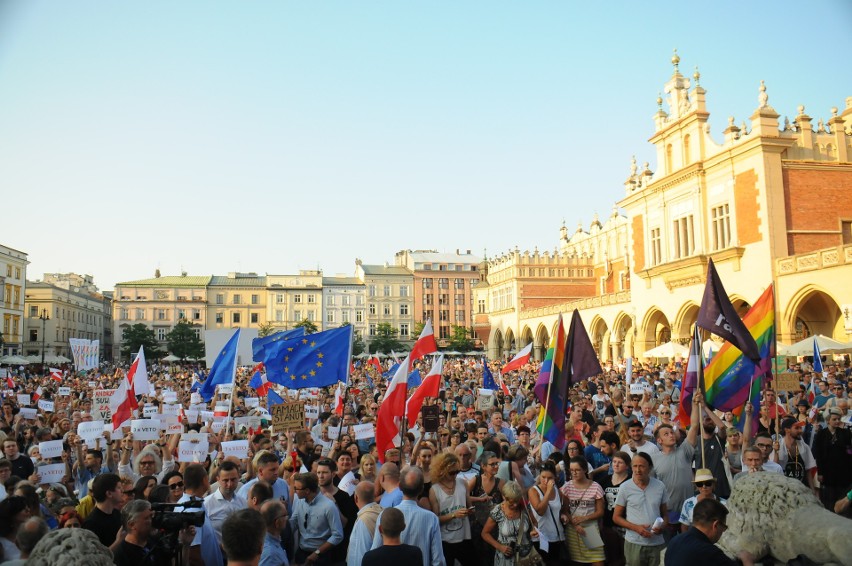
(392, 370)
(314, 360)
(487, 377)
(260, 345)
(223, 370)
(414, 379)
(273, 398)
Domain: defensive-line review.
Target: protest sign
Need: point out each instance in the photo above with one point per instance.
(431, 420)
(334, 432)
(240, 421)
(145, 429)
(65, 391)
(174, 428)
(51, 473)
(206, 416)
(169, 397)
(787, 382)
(637, 388)
(100, 404)
(93, 384)
(150, 411)
(254, 422)
(312, 411)
(364, 431)
(50, 449)
(23, 399)
(217, 426)
(90, 431)
(194, 436)
(191, 416)
(238, 448)
(195, 452)
(252, 402)
(225, 388)
(195, 399)
(116, 434)
(28, 413)
(288, 416)
(45, 405)
(171, 409)
(485, 400)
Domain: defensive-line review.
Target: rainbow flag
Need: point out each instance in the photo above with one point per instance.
(551, 424)
(728, 377)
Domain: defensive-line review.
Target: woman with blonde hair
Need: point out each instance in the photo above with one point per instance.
(451, 503)
(367, 469)
(511, 522)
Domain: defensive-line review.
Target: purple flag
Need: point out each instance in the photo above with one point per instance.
(581, 360)
(717, 315)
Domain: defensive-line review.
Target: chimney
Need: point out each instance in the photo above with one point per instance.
(157, 273)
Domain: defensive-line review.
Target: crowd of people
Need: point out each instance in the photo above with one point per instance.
(634, 477)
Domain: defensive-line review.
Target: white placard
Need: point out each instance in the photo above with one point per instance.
(191, 416)
(65, 391)
(145, 429)
(254, 422)
(637, 389)
(238, 448)
(45, 405)
(116, 434)
(100, 404)
(217, 426)
(90, 431)
(51, 473)
(93, 384)
(192, 451)
(150, 411)
(29, 413)
(169, 397)
(50, 449)
(225, 388)
(241, 421)
(194, 436)
(252, 401)
(312, 411)
(174, 428)
(334, 432)
(206, 415)
(23, 399)
(171, 409)
(364, 431)
(195, 398)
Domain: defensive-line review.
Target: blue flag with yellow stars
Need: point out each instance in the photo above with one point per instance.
(223, 370)
(260, 346)
(314, 360)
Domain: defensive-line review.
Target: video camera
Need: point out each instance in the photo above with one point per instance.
(166, 517)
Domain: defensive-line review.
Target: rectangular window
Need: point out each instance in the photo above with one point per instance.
(480, 308)
(312, 298)
(846, 231)
(33, 312)
(254, 318)
(683, 240)
(458, 283)
(459, 316)
(372, 308)
(255, 299)
(443, 331)
(427, 267)
(403, 310)
(387, 290)
(359, 301)
(427, 283)
(297, 298)
(123, 314)
(235, 318)
(656, 247)
(458, 299)
(371, 290)
(428, 314)
(443, 283)
(344, 316)
(279, 298)
(181, 314)
(329, 316)
(403, 330)
(238, 299)
(297, 315)
(17, 273)
(220, 318)
(196, 314)
(403, 290)
(444, 299)
(329, 301)
(140, 314)
(347, 300)
(359, 316)
(721, 221)
(161, 334)
(161, 314)
(372, 329)
(445, 316)
(220, 298)
(311, 316)
(428, 299)
(279, 315)
(8, 270)
(386, 310)
(197, 332)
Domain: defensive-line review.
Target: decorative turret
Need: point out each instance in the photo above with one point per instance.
(764, 121)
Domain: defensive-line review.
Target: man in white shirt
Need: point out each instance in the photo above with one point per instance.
(225, 500)
(638, 443)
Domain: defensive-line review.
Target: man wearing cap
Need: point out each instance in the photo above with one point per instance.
(705, 483)
(833, 454)
(794, 456)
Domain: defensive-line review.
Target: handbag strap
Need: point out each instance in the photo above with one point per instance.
(520, 529)
(550, 509)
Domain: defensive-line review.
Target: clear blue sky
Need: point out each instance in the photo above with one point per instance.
(273, 136)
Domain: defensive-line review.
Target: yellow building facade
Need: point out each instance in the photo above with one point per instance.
(13, 286)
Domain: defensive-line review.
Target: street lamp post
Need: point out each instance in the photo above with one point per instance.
(43, 317)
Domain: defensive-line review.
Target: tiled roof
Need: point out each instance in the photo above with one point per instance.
(170, 281)
(385, 270)
(341, 281)
(222, 280)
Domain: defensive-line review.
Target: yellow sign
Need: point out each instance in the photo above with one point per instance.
(787, 382)
(288, 416)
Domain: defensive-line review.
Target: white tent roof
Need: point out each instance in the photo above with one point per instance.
(669, 350)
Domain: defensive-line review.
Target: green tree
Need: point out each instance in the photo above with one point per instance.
(184, 342)
(358, 345)
(265, 329)
(139, 335)
(385, 339)
(309, 326)
(418, 328)
(460, 339)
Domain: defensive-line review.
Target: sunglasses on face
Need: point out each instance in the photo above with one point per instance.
(704, 484)
(176, 486)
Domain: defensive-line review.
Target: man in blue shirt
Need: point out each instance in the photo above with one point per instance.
(267, 470)
(275, 516)
(317, 519)
(421, 526)
(497, 427)
(698, 544)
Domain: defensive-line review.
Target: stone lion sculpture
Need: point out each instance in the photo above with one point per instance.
(771, 514)
(63, 547)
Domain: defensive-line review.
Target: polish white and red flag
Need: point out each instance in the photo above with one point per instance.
(374, 361)
(137, 375)
(221, 411)
(10, 383)
(429, 388)
(502, 384)
(56, 374)
(37, 394)
(338, 400)
(122, 403)
(521, 359)
(391, 411)
(425, 344)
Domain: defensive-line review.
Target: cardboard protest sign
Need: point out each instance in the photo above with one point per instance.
(45, 405)
(65, 391)
(364, 431)
(485, 400)
(51, 473)
(194, 436)
(50, 449)
(100, 404)
(145, 429)
(288, 416)
(238, 448)
(195, 452)
(23, 399)
(787, 382)
(254, 422)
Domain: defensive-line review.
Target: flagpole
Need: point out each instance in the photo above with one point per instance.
(702, 388)
(233, 384)
(348, 376)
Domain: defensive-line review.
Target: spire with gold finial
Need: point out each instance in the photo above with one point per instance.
(675, 61)
(697, 76)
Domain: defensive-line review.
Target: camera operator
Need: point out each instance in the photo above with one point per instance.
(137, 548)
(204, 549)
